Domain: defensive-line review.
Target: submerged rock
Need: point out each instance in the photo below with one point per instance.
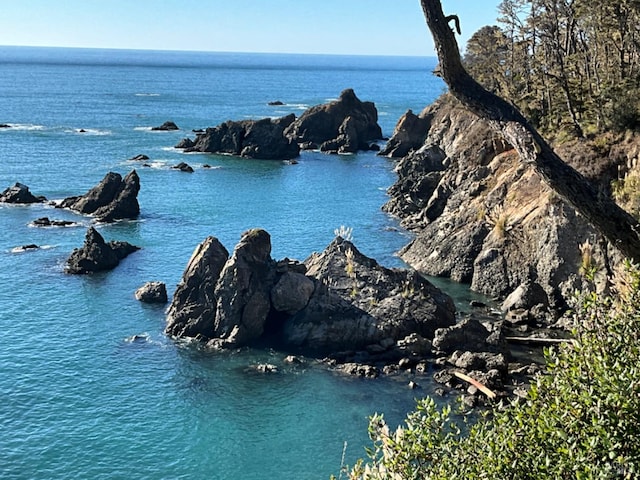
(20, 194)
(47, 222)
(96, 255)
(183, 167)
(114, 198)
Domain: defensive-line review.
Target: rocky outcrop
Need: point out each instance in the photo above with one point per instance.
(183, 167)
(20, 194)
(152, 292)
(114, 198)
(343, 126)
(358, 302)
(260, 139)
(97, 255)
(47, 222)
(166, 127)
(337, 300)
(482, 217)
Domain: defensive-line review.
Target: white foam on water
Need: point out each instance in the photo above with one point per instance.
(147, 94)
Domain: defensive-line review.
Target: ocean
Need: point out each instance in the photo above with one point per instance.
(90, 388)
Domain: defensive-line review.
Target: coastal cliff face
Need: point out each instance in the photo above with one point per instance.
(482, 217)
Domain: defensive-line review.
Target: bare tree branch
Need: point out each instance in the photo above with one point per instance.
(618, 226)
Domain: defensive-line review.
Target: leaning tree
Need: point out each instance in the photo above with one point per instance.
(618, 226)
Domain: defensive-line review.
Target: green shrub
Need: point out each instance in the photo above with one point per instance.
(580, 419)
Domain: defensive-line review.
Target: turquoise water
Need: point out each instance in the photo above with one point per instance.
(78, 397)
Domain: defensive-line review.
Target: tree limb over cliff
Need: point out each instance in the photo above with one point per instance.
(619, 227)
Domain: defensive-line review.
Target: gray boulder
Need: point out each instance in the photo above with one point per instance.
(470, 335)
(343, 126)
(114, 198)
(166, 126)
(19, 194)
(97, 255)
(292, 292)
(152, 292)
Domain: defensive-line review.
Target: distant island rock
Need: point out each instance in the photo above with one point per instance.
(114, 198)
(275, 103)
(342, 126)
(5, 125)
(96, 255)
(260, 139)
(166, 127)
(139, 158)
(20, 194)
(336, 300)
(183, 167)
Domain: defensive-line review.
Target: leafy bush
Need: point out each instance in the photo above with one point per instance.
(580, 419)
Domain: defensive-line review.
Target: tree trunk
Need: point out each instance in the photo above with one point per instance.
(618, 226)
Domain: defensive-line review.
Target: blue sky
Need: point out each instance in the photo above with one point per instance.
(369, 27)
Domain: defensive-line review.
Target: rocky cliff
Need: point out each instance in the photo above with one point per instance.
(482, 217)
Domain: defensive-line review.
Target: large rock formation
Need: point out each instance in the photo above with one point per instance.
(19, 194)
(481, 216)
(358, 302)
(97, 255)
(114, 198)
(260, 139)
(343, 126)
(336, 300)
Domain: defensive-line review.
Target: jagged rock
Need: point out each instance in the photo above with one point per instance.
(114, 198)
(47, 222)
(166, 126)
(357, 302)
(139, 158)
(260, 139)
(183, 167)
(193, 308)
(152, 292)
(468, 335)
(342, 126)
(409, 134)
(97, 255)
(482, 361)
(20, 194)
(414, 345)
(243, 290)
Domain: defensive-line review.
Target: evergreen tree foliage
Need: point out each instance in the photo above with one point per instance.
(571, 66)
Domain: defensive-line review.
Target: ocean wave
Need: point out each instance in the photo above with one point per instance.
(89, 131)
(147, 94)
(31, 248)
(143, 129)
(22, 126)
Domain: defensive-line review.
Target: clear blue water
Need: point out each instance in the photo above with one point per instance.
(78, 399)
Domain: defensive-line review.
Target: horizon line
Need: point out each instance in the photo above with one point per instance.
(58, 47)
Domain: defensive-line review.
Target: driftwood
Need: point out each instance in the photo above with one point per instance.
(538, 340)
(618, 226)
(489, 393)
